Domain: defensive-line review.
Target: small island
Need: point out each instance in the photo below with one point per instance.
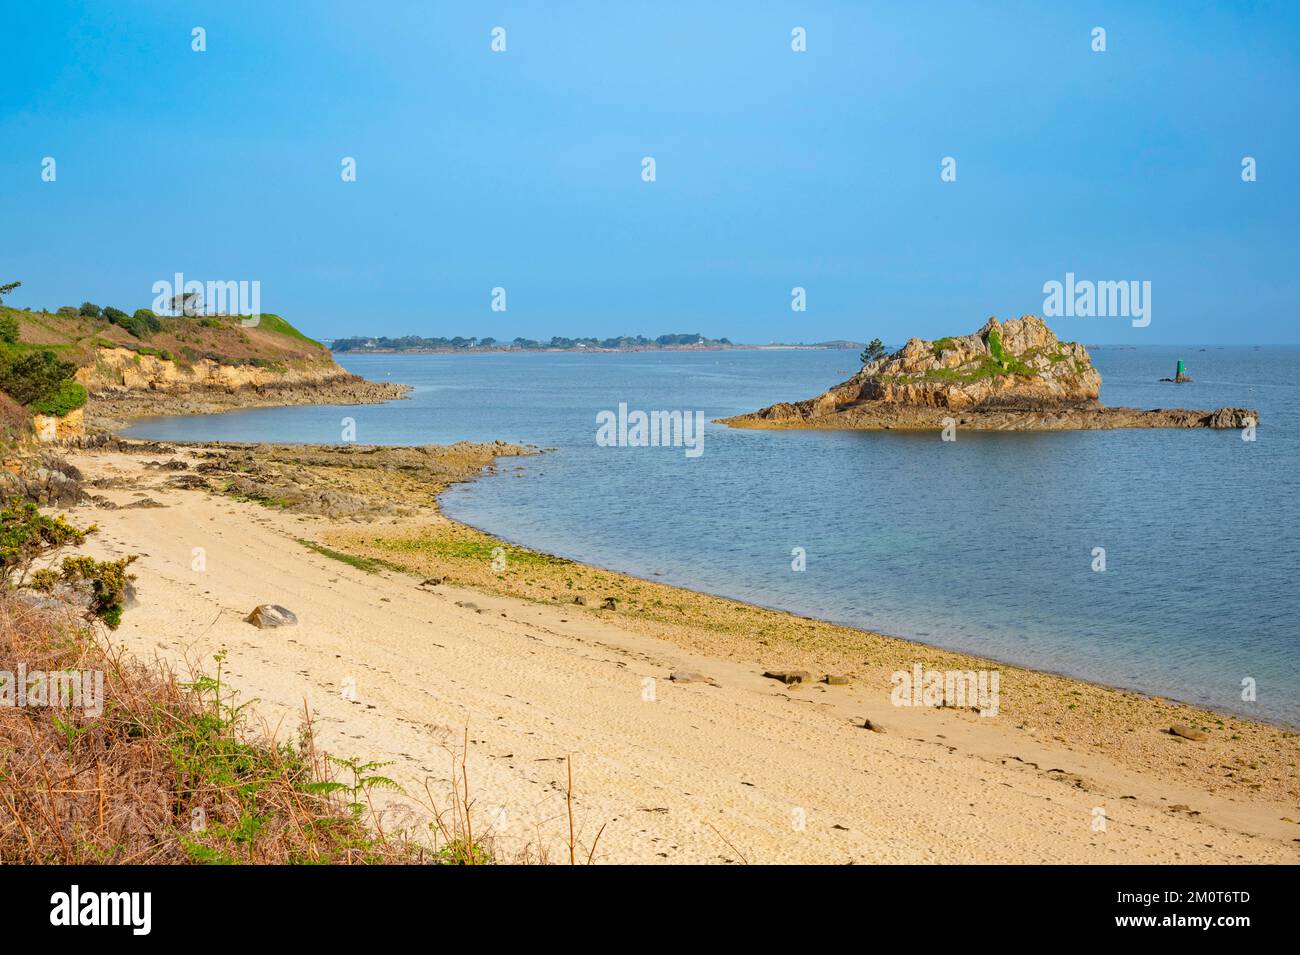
(1007, 376)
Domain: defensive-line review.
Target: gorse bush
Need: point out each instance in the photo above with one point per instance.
(28, 377)
(26, 534)
(108, 581)
(67, 397)
(89, 310)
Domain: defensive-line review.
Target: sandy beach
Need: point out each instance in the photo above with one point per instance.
(402, 665)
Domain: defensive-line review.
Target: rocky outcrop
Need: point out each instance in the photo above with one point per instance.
(122, 369)
(125, 384)
(43, 477)
(1007, 376)
(51, 428)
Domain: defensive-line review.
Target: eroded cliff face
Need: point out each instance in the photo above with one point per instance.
(1007, 376)
(115, 369)
(125, 385)
(51, 428)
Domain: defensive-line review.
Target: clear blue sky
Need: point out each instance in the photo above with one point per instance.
(775, 169)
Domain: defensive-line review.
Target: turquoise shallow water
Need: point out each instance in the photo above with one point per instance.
(984, 544)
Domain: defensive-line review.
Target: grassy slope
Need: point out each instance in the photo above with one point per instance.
(75, 338)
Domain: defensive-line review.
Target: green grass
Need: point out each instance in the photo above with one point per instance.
(274, 323)
(155, 352)
(473, 550)
(280, 503)
(941, 345)
(995, 346)
(999, 364)
(1008, 363)
(368, 564)
(987, 367)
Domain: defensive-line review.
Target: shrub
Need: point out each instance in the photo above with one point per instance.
(89, 310)
(107, 579)
(142, 324)
(45, 580)
(67, 396)
(68, 310)
(8, 329)
(140, 327)
(33, 376)
(941, 345)
(26, 534)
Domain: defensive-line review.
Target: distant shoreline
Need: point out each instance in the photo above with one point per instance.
(504, 348)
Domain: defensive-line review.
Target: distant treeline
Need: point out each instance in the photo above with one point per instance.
(416, 343)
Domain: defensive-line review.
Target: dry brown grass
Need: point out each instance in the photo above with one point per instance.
(127, 785)
(15, 421)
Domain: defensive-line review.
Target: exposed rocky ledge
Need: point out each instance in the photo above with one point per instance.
(1008, 376)
(114, 406)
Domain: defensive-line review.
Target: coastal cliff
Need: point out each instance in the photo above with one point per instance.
(145, 364)
(1007, 376)
(123, 385)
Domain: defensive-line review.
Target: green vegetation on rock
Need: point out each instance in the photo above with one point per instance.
(33, 377)
(67, 397)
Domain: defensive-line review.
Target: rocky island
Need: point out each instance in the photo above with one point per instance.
(1007, 376)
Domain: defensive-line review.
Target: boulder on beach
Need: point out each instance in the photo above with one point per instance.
(789, 677)
(269, 616)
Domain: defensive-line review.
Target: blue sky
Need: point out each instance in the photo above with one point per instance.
(775, 169)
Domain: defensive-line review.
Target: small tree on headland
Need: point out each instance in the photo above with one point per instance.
(875, 349)
(6, 289)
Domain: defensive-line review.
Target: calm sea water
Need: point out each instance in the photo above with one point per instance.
(984, 545)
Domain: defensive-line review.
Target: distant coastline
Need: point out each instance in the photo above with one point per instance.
(414, 344)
